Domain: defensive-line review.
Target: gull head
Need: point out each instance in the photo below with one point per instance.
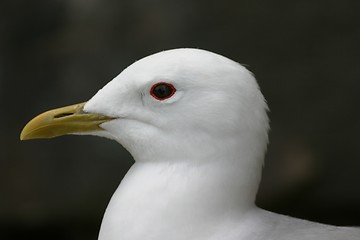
(181, 104)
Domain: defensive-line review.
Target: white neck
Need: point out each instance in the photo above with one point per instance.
(156, 197)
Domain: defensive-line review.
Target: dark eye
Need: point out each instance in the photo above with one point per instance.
(162, 90)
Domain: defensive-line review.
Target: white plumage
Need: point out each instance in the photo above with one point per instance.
(198, 154)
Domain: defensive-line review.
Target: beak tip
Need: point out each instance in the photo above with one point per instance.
(23, 135)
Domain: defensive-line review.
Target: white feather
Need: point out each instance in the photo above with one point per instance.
(198, 155)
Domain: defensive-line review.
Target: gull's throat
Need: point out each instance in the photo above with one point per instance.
(181, 194)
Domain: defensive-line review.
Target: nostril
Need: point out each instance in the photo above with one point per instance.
(60, 115)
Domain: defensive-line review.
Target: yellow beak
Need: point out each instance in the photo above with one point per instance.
(61, 121)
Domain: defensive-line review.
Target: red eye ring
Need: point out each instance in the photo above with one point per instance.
(162, 91)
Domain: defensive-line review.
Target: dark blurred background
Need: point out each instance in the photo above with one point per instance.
(305, 55)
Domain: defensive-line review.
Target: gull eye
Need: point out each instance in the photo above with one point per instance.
(162, 90)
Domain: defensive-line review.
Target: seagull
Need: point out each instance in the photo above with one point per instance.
(196, 124)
